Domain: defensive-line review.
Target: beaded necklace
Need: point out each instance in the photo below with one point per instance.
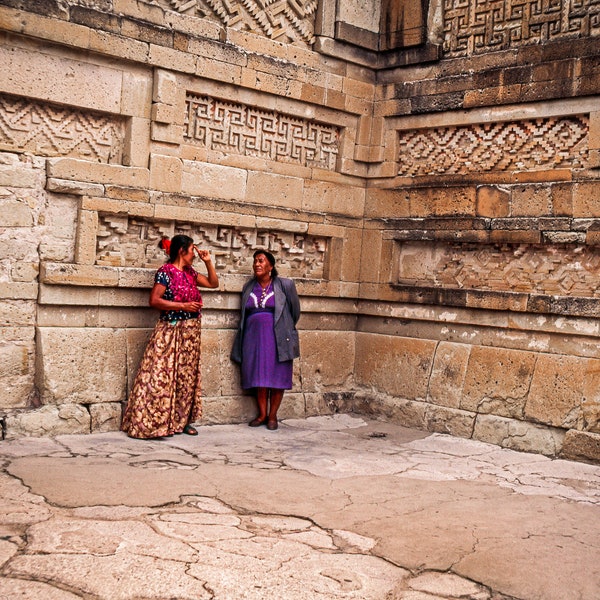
(263, 296)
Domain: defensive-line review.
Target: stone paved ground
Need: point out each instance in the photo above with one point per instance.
(328, 507)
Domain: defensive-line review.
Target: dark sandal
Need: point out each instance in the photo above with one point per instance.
(257, 422)
(190, 430)
(272, 424)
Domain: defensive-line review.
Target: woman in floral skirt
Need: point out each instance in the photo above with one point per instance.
(165, 398)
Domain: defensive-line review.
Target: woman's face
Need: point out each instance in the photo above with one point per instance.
(188, 255)
(261, 266)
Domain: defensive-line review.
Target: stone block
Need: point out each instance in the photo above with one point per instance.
(45, 76)
(269, 189)
(371, 263)
(327, 359)
(497, 381)
(166, 173)
(396, 366)
(16, 374)
(441, 419)
(48, 421)
(105, 416)
(329, 197)
(77, 188)
(213, 181)
(556, 391)
(16, 313)
(448, 374)
(518, 435)
(351, 255)
(136, 97)
(14, 213)
(85, 244)
(492, 201)
(19, 291)
(450, 201)
(85, 366)
(137, 143)
(20, 176)
(382, 203)
(102, 42)
(85, 275)
(531, 201)
(585, 200)
(218, 410)
(168, 58)
(581, 445)
(83, 170)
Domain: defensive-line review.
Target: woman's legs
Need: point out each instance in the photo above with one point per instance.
(263, 395)
(261, 400)
(276, 398)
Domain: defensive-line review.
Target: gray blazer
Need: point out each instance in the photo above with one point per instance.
(287, 313)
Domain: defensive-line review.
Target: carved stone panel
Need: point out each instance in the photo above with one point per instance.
(282, 20)
(533, 145)
(239, 129)
(126, 241)
(560, 269)
(48, 130)
(478, 26)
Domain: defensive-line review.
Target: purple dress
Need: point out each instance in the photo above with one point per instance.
(260, 367)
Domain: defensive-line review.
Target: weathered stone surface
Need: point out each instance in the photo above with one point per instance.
(556, 393)
(49, 420)
(581, 445)
(448, 374)
(497, 381)
(518, 435)
(83, 365)
(393, 365)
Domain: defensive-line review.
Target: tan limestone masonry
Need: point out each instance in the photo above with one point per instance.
(431, 187)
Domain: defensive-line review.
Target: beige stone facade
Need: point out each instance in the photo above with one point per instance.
(429, 176)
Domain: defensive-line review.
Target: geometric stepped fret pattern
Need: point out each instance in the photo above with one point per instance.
(48, 130)
(287, 21)
(232, 128)
(478, 26)
(560, 269)
(128, 241)
(533, 145)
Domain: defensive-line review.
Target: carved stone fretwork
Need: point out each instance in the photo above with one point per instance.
(48, 130)
(126, 241)
(534, 145)
(282, 20)
(239, 129)
(560, 269)
(477, 26)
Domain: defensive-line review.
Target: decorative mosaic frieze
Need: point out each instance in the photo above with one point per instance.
(560, 269)
(477, 26)
(534, 145)
(281, 20)
(239, 129)
(125, 241)
(48, 130)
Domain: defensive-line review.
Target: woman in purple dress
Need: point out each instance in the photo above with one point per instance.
(267, 340)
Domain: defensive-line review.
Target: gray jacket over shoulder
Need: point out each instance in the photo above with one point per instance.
(287, 313)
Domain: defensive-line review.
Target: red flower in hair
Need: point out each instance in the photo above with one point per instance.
(165, 244)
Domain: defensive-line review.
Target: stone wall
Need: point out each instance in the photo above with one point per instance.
(429, 178)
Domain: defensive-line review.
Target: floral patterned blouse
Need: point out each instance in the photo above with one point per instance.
(181, 287)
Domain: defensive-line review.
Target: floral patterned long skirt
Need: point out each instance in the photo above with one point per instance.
(166, 393)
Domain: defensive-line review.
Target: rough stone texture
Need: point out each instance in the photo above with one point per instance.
(429, 181)
(325, 507)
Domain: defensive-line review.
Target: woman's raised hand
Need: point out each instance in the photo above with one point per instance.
(203, 254)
